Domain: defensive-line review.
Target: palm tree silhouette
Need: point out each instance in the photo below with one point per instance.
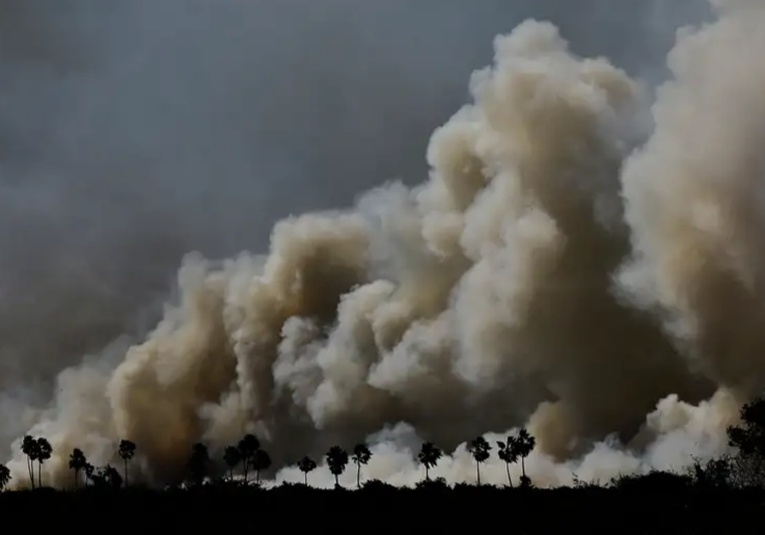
(231, 457)
(44, 451)
(247, 448)
(5, 476)
(306, 464)
(361, 455)
(508, 454)
(429, 456)
(479, 449)
(523, 444)
(126, 452)
(337, 460)
(198, 462)
(29, 447)
(77, 462)
(260, 461)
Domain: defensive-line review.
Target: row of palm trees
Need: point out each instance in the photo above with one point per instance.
(253, 458)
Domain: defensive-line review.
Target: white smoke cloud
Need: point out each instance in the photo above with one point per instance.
(551, 273)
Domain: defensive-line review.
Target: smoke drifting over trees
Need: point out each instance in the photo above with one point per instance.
(580, 255)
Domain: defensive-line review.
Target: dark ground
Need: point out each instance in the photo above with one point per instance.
(639, 508)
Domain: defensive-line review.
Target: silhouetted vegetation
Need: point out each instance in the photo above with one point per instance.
(247, 448)
(78, 463)
(734, 480)
(429, 456)
(126, 452)
(479, 449)
(198, 463)
(361, 455)
(305, 465)
(5, 476)
(337, 460)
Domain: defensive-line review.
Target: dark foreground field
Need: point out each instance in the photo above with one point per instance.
(640, 508)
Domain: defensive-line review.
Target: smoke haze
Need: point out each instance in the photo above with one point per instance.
(582, 257)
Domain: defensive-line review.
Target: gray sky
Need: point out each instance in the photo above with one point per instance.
(134, 132)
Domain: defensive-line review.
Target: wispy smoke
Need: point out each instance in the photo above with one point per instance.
(568, 266)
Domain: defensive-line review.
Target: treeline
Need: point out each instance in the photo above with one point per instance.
(249, 457)
(743, 468)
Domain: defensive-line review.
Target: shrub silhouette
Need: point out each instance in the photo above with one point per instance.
(437, 484)
(375, 485)
(652, 482)
(715, 473)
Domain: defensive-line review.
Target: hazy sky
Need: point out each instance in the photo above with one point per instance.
(134, 132)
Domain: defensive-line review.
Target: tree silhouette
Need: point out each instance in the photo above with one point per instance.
(260, 461)
(44, 451)
(748, 438)
(507, 453)
(479, 449)
(106, 476)
(29, 447)
(361, 455)
(231, 457)
(429, 456)
(77, 462)
(306, 464)
(126, 452)
(337, 460)
(248, 445)
(89, 470)
(523, 445)
(198, 462)
(110, 477)
(5, 476)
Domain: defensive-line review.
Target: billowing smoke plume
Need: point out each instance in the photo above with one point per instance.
(556, 270)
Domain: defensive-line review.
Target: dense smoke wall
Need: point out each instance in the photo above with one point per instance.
(576, 262)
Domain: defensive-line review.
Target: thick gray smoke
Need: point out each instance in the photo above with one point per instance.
(556, 270)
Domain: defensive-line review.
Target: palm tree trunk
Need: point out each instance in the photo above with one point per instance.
(31, 470)
(523, 466)
(507, 469)
(478, 472)
(337, 482)
(39, 474)
(305, 478)
(76, 473)
(358, 475)
(427, 473)
(244, 466)
(126, 473)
